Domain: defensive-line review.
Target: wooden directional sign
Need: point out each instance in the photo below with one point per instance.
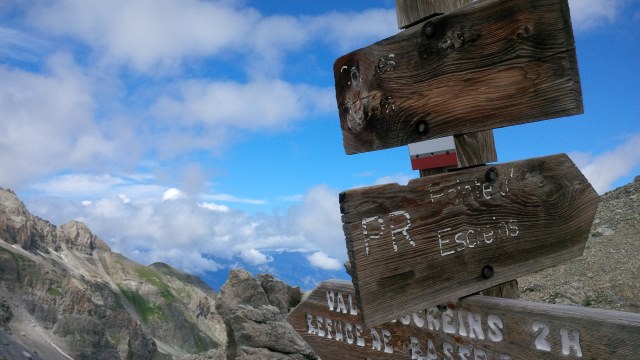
(477, 328)
(489, 64)
(447, 236)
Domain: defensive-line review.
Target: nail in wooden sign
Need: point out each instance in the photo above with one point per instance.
(486, 65)
(447, 236)
(478, 328)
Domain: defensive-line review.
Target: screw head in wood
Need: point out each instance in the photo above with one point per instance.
(487, 272)
(422, 128)
(429, 30)
(491, 175)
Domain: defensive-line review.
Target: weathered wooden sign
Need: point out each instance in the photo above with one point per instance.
(447, 236)
(489, 64)
(476, 328)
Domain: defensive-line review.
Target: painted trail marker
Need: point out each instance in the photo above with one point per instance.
(486, 65)
(476, 328)
(447, 236)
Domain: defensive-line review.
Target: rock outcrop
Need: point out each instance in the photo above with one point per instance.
(254, 312)
(77, 236)
(18, 226)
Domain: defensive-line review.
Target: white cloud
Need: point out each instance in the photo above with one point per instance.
(96, 186)
(319, 222)
(588, 14)
(251, 106)
(46, 122)
(16, 44)
(602, 170)
(255, 257)
(147, 33)
(324, 262)
(349, 31)
(172, 194)
(148, 229)
(125, 199)
(232, 199)
(82, 185)
(215, 207)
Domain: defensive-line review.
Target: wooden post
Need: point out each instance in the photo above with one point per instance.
(411, 12)
(473, 149)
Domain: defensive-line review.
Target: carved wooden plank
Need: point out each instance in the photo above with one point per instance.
(410, 12)
(477, 327)
(447, 236)
(489, 64)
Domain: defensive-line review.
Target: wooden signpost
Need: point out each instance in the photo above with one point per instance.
(475, 328)
(489, 64)
(450, 235)
(426, 248)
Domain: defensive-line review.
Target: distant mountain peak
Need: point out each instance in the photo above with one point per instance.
(78, 236)
(19, 226)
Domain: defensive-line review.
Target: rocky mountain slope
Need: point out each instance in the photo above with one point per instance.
(65, 295)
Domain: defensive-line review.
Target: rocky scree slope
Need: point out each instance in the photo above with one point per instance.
(65, 295)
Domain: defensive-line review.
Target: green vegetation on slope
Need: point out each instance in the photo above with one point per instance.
(20, 259)
(54, 292)
(155, 279)
(145, 309)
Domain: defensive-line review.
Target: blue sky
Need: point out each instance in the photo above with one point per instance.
(205, 133)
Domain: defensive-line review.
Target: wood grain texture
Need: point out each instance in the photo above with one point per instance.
(426, 243)
(476, 326)
(476, 148)
(410, 12)
(486, 65)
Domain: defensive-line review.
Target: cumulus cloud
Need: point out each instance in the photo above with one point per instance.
(81, 185)
(255, 257)
(46, 121)
(348, 31)
(321, 260)
(172, 194)
(250, 106)
(147, 35)
(602, 170)
(190, 234)
(318, 220)
(85, 113)
(588, 14)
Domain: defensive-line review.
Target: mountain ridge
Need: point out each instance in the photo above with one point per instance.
(64, 294)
